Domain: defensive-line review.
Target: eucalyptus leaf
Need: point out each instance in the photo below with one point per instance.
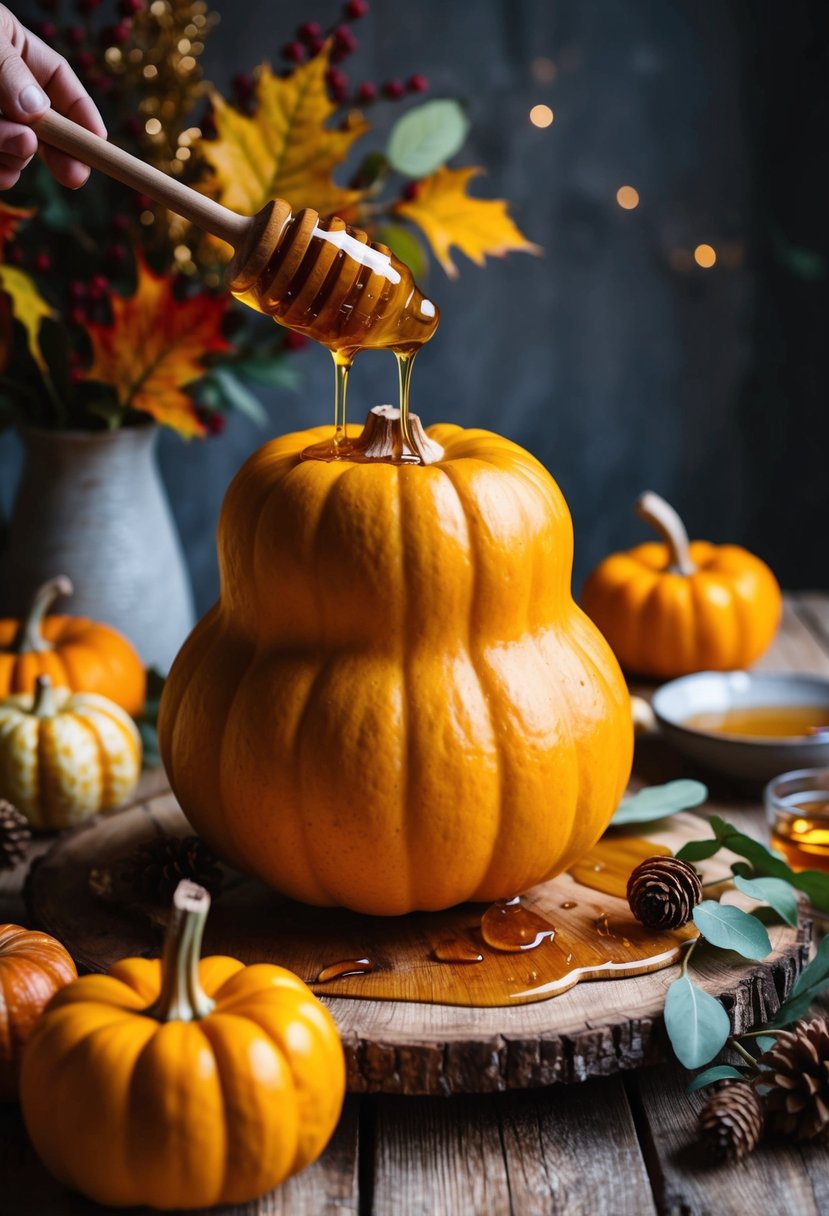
(766, 864)
(775, 892)
(699, 850)
(732, 929)
(238, 397)
(765, 1042)
(697, 1024)
(720, 1072)
(426, 137)
(405, 245)
(659, 801)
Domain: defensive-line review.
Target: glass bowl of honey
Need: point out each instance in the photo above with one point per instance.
(748, 726)
(797, 807)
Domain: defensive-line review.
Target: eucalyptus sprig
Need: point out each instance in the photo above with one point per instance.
(697, 1024)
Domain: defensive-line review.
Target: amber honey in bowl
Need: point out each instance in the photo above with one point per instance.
(797, 806)
(763, 721)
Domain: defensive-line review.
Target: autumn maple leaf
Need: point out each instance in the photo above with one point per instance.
(284, 149)
(154, 346)
(448, 216)
(10, 218)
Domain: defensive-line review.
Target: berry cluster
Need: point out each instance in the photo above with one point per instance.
(79, 41)
(309, 40)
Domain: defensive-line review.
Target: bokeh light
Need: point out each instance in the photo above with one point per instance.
(627, 197)
(705, 256)
(541, 116)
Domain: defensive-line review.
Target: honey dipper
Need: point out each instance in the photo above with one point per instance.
(315, 275)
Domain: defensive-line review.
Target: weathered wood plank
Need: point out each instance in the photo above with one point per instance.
(687, 1182)
(798, 646)
(330, 1185)
(539, 1154)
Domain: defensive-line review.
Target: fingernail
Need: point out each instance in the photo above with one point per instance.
(32, 99)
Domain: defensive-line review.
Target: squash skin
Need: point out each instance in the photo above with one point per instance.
(661, 624)
(396, 704)
(133, 1111)
(33, 966)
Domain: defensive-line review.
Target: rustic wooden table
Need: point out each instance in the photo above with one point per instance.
(607, 1147)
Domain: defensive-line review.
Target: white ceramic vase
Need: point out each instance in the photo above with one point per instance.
(91, 505)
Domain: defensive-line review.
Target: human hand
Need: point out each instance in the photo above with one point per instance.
(33, 77)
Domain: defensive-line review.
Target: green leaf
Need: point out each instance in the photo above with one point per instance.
(720, 828)
(237, 396)
(426, 137)
(765, 1042)
(720, 1072)
(809, 984)
(697, 1024)
(699, 850)
(658, 801)
(275, 371)
(775, 892)
(405, 245)
(731, 929)
(767, 864)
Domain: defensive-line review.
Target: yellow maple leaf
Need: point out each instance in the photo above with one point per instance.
(448, 216)
(153, 348)
(28, 306)
(284, 150)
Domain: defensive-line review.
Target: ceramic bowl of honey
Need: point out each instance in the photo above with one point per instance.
(750, 727)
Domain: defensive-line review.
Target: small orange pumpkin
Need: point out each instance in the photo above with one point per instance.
(671, 608)
(33, 966)
(180, 1083)
(76, 653)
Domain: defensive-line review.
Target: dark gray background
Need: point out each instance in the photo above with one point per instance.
(619, 370)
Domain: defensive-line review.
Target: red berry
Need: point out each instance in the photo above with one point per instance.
(367, 91)
(129, 8)
(15, 255)
(87, 6)
(294, 341)
(393, 89)
(49, 5)
(411, 191)
(294, 51)
(314, 45)
(98, 286)
(243, 83)
(216, 423)
(309, 30)
(121, 33)
(143, 202)
(121, 223)
(75, 35)
(133, 126)
(77, 375)
(418, 83)
(84, 60)
(355, 9)
(116, 256)
(344, 40)
(208, 125)
(47, 30)
(77, 315)
(42, 263)
(337, 80)
(77, 290)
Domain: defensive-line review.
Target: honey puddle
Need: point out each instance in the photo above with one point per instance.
(511, 952)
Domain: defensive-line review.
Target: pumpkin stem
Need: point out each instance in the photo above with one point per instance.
(654, 510)
(182, 998)
(29, 636)
(382, 438)
(44, 704)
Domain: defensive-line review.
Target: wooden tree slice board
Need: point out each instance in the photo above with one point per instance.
(438, 1045)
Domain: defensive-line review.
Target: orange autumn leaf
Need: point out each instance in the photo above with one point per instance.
(10, 217)
(448, 216)
(284, 149)
(154, 346)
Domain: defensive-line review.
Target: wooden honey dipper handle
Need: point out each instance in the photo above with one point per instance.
(68, 136)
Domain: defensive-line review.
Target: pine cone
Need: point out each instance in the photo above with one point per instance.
(731, 1122)
(155, 869)
(795, 1073)
(15, 835)
(663, 892)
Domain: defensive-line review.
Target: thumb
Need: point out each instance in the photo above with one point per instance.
(21, 97)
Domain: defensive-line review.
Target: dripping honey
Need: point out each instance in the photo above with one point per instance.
(763, 721)
(325, 280)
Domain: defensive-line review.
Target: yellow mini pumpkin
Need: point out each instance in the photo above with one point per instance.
(182, 1084)
(396, 704)
(65, 755)
(674, 607)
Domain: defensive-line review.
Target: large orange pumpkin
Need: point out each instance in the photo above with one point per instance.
(671, 608)
(182, 1083)
(396, 704)
(73, 651)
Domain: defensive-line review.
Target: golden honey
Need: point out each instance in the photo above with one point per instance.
(763, 721)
